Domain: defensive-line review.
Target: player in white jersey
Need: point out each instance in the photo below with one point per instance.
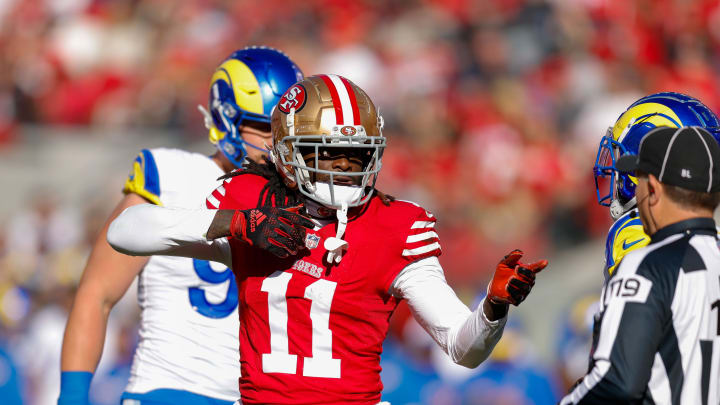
(187, 352)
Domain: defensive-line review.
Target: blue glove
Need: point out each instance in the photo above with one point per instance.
(74, 387)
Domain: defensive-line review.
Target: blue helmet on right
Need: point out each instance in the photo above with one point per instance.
(243, 91)
(662, 109)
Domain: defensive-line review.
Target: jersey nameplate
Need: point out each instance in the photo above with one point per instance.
(308, 268)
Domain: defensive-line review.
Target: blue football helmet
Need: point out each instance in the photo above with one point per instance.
(662, 109)
(243, 91)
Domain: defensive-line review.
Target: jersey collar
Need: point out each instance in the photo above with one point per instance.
(703, 226)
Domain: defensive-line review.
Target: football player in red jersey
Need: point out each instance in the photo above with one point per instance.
(321, 261)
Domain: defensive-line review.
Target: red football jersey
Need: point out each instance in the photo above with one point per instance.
(312, 332)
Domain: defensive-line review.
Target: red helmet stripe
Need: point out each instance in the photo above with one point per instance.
(353, 101)
(335, 98)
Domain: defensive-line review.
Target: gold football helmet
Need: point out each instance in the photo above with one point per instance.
(326, 111)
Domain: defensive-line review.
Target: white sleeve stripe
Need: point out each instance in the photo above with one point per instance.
(423, 224)
(213, 201)
(221, 190)
(422, 236)
(422, 249)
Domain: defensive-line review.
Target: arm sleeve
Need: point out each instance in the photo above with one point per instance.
(466, 336)
(630, 329)
(145, 230)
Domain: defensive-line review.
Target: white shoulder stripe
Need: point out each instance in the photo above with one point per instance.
(422, 236)
(423, 224)
(213, 201)
(422, 249)
(221, 190)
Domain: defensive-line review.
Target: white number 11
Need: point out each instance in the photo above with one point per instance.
(279, 360)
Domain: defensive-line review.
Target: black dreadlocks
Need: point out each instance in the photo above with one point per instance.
(274, 190)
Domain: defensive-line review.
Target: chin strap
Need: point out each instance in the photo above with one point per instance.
(336, 246)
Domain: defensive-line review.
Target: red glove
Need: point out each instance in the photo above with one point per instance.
(280, 231)
(513, 280)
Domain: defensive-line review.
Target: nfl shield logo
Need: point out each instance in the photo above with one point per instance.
(311, 241)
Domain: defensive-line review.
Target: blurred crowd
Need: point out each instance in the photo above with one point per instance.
(493, 113)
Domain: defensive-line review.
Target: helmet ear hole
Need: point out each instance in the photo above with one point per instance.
(286, 172)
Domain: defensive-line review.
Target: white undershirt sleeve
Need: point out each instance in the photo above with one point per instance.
(146, 230)
(467, 337)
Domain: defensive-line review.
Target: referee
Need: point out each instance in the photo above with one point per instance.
(657, 334)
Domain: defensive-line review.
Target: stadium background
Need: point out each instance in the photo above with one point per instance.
(493, 111)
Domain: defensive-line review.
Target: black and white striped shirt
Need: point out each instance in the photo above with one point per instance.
(657, 337)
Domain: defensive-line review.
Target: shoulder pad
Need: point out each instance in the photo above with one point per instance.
(237, 192)
(410, 236)
(625, 235)
(416, 227)
(144, 178)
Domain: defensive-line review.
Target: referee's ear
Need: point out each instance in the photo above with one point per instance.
(655, 189)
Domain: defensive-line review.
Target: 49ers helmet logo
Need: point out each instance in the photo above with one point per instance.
(347, 130)
(294, 97)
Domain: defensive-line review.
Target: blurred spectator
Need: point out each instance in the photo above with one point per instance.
(575, 337)
(42, 244)
(10, 380)
(39, 349)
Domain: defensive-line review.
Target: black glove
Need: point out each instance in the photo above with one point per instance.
(280, 231)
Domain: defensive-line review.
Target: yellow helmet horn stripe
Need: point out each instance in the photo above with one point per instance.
(244, 84)
(245, 87)
(654, 113)
(657, 114)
